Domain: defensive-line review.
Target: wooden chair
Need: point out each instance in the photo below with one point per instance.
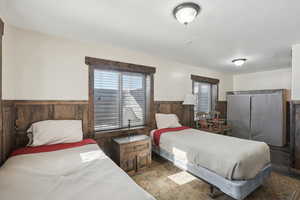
(202, 120)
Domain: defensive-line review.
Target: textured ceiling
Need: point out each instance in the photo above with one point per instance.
(262, 31)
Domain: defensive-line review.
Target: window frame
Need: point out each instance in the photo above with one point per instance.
(102, 64)
(207, 80)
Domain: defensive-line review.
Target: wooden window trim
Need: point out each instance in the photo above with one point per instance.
(96, 63)
(1, 27)
(205, 79)
(212, 81)
(119, 66)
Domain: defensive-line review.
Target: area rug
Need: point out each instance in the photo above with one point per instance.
(167, 182)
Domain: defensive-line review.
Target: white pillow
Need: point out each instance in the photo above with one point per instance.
(166, 120)
(56, 131)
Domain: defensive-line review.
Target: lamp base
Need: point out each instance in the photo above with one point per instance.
(129, 128)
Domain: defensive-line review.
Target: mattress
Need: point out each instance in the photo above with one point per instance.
(237, 189)
(229, 157)
(78, 173)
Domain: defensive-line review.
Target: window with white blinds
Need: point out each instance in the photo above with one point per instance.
(114, 93)
(206, 96)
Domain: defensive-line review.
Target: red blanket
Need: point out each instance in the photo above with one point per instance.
(52, 147)
(159, 132)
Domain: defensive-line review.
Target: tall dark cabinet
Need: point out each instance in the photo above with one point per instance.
(1, 116)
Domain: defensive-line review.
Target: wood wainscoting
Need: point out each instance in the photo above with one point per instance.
(295, 133)
(9, 133)
(20, 114)
(185, 113)
(222, 108)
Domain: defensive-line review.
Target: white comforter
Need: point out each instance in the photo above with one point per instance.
(71, 174)
(230, 157)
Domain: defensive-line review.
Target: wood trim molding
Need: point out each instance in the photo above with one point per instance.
(295, 102)
(120, 66)
(205, 79)
(48, 102)
(91, 100)
(1, 27)
(168, 102)
(258, 91)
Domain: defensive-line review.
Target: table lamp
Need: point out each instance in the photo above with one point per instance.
(129, 115)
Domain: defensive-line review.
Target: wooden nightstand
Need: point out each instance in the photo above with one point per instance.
(132, 154)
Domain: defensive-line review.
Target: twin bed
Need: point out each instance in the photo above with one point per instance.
(65, 171)
(235, 166)
(65, 167)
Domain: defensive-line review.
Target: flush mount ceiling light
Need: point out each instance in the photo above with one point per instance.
(186, 12)
(239, 62)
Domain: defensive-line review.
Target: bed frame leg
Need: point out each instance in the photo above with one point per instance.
(214, 192)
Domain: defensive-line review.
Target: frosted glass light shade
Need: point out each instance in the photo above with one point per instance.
(239, 62)
(186, 12)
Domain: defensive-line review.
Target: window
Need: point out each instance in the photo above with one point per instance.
(206, 92)
(114, 93)
(119, 92)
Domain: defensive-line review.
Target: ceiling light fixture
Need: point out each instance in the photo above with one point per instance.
(186, 12)
(239, 61)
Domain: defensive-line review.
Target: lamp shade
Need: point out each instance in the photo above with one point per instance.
(189, 99)
(129, 114)
(186, 12)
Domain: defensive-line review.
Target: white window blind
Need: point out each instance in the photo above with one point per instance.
(206, 96)
(114, 92)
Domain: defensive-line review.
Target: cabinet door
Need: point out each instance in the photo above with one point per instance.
(143, 160)
(267, 119)
(129, 163)
(238, 115)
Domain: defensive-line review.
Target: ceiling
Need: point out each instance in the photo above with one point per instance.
(262, 31)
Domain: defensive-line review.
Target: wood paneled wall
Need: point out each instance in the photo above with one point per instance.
(222, 108)
(19, 115)
(9, 132)
(295, 132)
(185, 113)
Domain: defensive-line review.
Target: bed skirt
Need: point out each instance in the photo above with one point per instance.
(235, 188)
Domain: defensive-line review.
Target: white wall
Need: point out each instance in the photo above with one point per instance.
(275, 79)
(42, 67)
(296, 72)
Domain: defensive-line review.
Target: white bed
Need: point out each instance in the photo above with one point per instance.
(235, 166)
(78, 173)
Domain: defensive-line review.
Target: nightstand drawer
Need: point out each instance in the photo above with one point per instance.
(136, 148)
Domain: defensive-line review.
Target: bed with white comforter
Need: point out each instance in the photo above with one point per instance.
(231, 158)
(71, 174)
(235, 166)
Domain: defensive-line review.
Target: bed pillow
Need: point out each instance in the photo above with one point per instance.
(56, 131)
(166, 121)
(30, 139)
